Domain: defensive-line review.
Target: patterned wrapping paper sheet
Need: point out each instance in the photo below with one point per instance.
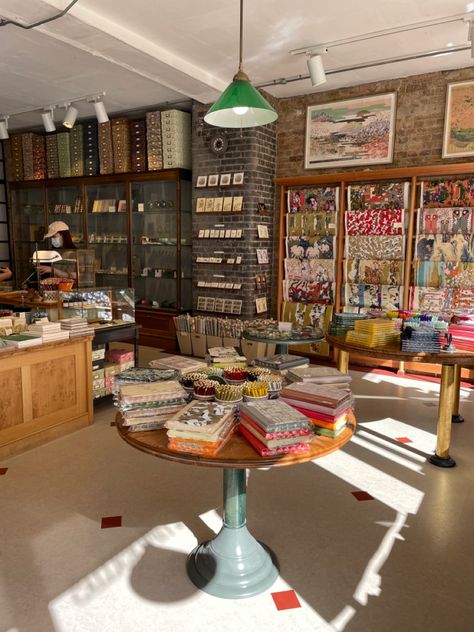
(378, 196)
(315, 247)
(313, 199)
(374, 296)
(445, 220)
(441, 274)
(375, 222)
(373, 271)
(311, 224)
(308, 292)
(428, 299)
(321, 270)
(458, 247)
(375, 247)
(447, 193)
(306, 313)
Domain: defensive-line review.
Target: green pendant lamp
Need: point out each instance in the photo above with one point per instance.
(240, 105)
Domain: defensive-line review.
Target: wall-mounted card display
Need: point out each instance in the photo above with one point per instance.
(214, 233)
(263, 231)
(218, 202)
(238, 179)
(209, 207)
(219, 285)
(225, 179)
(227, 205)
(237, 204)
(201, 181)
(261, 282)
(262, 255)
(261, 305)
(213, 180)
(230, 260)
(226, 306)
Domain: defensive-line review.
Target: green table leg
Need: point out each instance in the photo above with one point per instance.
(282, 347)
(233, 565)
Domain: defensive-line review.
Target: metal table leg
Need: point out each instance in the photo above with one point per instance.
(441, 457)
(233, 565)
(282, 348)
(457, 418)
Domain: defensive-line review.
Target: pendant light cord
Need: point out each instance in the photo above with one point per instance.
(241, 33)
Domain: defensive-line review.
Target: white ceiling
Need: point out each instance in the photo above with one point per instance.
(147, 52)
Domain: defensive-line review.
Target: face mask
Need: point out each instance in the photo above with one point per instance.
(57, 242)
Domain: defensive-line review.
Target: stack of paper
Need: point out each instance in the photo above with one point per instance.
(201, 428)
(222, 357)
(47, 331)
(147, 406)
(180, 363)
(419, 339)
(21, 340)
(76, 326)
(281, 361)
(319, 375)
(273, 427)
(463, 333)
(374, 332)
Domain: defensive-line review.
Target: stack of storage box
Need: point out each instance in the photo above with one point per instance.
(77, 151)
(116, 361)
(121, 144)
(64, 154)
(98, 372)
(106, 159)
(91, 149)
(52, 159)
(34, 160)
(176, 138)
(153, 141)
(138, 145)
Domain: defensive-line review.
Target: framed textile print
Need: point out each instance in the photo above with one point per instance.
(353, 132)
(458, 139)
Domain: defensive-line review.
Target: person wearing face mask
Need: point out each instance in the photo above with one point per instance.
(61, 238)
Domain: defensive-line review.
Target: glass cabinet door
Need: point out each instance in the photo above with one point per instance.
(65, 204)
(186, 289)
(155, 239)
(107, 232)
(28, 227)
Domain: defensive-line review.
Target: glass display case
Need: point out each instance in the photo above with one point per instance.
(99, 305)
(161, 243)
(28, 225)
(66, 204)
(107, 232)
(77, 265)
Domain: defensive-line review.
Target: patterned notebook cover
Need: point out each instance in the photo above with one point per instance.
(313, 199)
(377, 196)
(375, 247)
(445, 220)
(316, 247)
(373, 271)
(445, 248)
(447, 193)
(321, 270)
(374, 222)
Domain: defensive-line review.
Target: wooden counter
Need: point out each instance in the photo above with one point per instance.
(45, 392)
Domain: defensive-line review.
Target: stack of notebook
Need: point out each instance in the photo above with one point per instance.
(374, 332)
(272, 427)
(222, 357)
(341, 323)
(328, 408)
(179, 363)
(419, 339)
(48, 332)
(463, 333)
(281, 361)
(319, 375)
(76, 326)
(201, 428)
(21, 340)
(147, 406)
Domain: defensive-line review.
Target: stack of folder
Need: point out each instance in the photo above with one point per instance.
(374, 333)
(319, 375)
(148, 406)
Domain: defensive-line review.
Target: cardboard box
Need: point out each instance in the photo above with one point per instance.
(252, 350)
(184, 341)
(199, 344)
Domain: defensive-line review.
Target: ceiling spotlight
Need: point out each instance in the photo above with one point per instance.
(48, 121)
(70, 117)
(316, 68)
(4, 128)
(100, 111)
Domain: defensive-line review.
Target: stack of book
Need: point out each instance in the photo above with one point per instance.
(319, 375)
(282, 361)
(21, 340)
(147, 406)
(373, 333)
(222, 357)
(180, 363)
(47, 331)
(419, 339)
(342, 323)
(76, 326)
(328, 408)
(463, 333)
(273, 427)
(201, 428)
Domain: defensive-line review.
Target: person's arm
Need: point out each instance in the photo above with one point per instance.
(5, 273)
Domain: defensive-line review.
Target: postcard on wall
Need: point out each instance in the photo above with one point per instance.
(209, 205)
(228, 233)
(228, 306)
(238, 178)
(352, 132)
(213, 180)
(239, 233)
(262, 255)
(222, 233)
(201, 181)
(237, 204)
(200, 205)
(263, 231)
(210, 304)
(219, 305)
(207, 233)
(261, 304)
(201, 303)
(458, 137)
(227, 205)
(201, 234)
(225, 179)
(218, 204)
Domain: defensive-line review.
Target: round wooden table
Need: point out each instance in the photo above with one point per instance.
(448, 407)
(234, 564)
(282, 344)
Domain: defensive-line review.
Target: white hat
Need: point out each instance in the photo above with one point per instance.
(54, 228)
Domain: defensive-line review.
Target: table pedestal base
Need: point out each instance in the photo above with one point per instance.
(233, 565)
(457, 419)
(441, 461)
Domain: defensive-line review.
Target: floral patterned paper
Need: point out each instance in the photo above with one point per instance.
(374, 222)
(311, 224)
(445, 248)
(378, 196)
(375, 247)
(321, 270)
(317, 247)
(444, 274)
(373, 271)
(447, 193)
(313, 199)
(445, 220)
(308, 292)
(428, 299)
(374, 296)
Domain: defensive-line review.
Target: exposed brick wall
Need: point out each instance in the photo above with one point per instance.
(254, 152)
(419, 121)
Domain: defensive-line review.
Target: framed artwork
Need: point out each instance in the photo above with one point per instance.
(262, 255)
(200, 205)
(213, 180)
(225, 179)
(227, 205)
(209, 207)
(261, 304)
(237, 204)
(201, 181)
(218, 204)
(353, 132)
(458, 139)
(238, 178)
(263, 231)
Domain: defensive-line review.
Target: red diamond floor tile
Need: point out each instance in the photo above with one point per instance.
(286, 599)
(362, 495)
(111, 521)
(112, 423)
(3, 470)
(403, 440)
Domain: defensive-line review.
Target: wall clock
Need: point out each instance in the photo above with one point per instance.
(218, 143)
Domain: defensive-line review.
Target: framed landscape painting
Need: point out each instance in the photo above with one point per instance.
(353, 132)
(458, 137)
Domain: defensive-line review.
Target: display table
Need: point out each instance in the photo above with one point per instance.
(282, 344)
(45, 392)
(448, 408)
(234, 564)
(104, 334)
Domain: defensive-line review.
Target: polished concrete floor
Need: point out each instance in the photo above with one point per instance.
(370, 539)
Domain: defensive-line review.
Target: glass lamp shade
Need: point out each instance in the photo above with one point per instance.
(240, 105)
